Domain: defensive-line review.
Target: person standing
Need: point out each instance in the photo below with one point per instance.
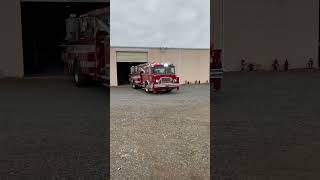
(275, 65)
(286, 65)
(243, 65)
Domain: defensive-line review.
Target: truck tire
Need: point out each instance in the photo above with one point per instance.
(146, 87)
(168, 90)
(78, 77)
(133, 85)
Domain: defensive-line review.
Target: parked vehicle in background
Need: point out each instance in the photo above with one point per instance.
(86, 52)
(154, 77)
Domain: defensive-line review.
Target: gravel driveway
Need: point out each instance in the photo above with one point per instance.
(162, 136)
(52, 130)
(266, 126)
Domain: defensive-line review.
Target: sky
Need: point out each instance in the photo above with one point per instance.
(160, 23)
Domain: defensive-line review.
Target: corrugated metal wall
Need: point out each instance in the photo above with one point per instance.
(11, 63)
(261, 30)
(191, 64)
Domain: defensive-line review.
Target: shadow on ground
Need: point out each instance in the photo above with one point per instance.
(266, 126)
(51, 129)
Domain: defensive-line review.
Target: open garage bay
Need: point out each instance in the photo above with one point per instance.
(160, 136)
(267, 126)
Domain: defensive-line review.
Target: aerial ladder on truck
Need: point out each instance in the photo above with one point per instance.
(100, 24)
(87, 51)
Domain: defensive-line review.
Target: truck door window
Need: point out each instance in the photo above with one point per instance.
(159, 70)
(164, 70)
(171, 70)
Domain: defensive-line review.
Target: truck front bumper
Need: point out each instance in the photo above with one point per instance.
(165, 86)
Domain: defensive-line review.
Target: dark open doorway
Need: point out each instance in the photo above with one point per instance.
(123, 71)
(43, 30)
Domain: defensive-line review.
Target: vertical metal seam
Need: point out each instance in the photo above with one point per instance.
(222, 31)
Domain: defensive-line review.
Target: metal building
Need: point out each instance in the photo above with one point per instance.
(191, 64)
(261, 30)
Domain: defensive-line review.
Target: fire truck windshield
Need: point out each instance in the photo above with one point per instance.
(164, 70)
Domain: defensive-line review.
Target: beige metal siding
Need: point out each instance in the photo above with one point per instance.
(132, 57)
(11, 63)
(191, 64)
(262, 30)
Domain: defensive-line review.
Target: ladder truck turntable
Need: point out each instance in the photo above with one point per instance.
(86, 49)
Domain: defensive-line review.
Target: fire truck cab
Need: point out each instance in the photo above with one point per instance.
(154, 77)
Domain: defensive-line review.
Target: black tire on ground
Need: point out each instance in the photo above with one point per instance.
(168, 90)
(134, 86)
(146, 87)
(78, 78)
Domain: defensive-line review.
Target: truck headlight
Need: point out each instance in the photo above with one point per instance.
(157, 81)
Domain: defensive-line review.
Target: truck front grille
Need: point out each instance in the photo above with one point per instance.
(166, 80)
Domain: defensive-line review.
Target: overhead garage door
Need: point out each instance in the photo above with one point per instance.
(132, 56)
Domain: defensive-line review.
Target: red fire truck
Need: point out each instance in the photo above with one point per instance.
(86, 52)
(154, 77)
(216, 70)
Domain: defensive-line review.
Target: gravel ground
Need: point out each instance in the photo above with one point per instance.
(266, 126)
(162, 136)
(51, 130)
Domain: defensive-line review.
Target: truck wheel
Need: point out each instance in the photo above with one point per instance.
(146, 88)
(79, 78)
(133, 85)
(168, 90)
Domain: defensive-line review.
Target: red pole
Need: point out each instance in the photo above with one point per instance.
(215, 68)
